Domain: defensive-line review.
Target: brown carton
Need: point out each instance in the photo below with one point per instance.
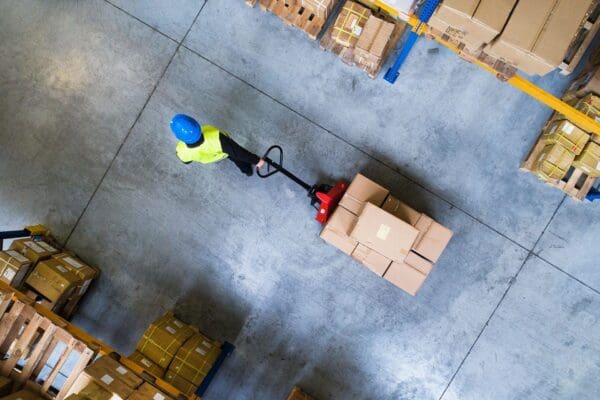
(363, 190)
(405, 277)
(401, 210)
(350, 23)
(163, 338)
(34, 250)
(180, 383)
(568, 135)
(148, 392)
(589, 160)
(124, 374)
(338, 228)
(433, 240)
(538, 34)
(371, 259)
(320, 8)
(418, 262)
(53, 281)
(373, 42)
(553, 163)
(85, 272)
(77, 397)
(13, 267)
(472, 22)
(384, 233)
(23, 395)
(195, 358)
(147, 364)
(94, 391)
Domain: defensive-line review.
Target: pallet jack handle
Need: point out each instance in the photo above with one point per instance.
(278, 167)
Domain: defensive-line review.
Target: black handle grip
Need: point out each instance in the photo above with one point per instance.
(270, 162)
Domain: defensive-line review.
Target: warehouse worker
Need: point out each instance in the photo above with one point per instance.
(206, 144)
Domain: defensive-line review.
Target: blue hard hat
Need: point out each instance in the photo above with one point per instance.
(186, 128)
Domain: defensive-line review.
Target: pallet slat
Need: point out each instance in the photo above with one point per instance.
(294, 15)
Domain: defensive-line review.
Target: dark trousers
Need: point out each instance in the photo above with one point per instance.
(245, 167)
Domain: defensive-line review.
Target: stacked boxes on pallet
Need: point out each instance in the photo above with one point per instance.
(177, 352)
(107, 379)
(531, 35)
(321, 8)
(350, 23)
(385, 235)
(13, 267)
(373, 43)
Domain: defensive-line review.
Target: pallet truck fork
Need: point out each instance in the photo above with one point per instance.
(325, 196)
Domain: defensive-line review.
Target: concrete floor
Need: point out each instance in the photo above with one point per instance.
(511, 311)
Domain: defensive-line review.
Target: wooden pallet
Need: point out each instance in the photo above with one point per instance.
(28, 341)
(576, 183)
(582, 41)
(294, 15)
(346, 54)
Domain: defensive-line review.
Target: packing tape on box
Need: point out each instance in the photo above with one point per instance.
(351, 12)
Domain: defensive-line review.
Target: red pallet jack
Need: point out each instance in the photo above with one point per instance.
(325, 196)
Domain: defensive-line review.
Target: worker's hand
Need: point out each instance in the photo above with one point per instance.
(260, 164)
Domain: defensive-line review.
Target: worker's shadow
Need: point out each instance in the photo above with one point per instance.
(218, 312)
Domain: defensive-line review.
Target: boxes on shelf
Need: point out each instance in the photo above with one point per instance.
(553, 163)
(386, 233)
(568, 135)
(52, 280)
(195, 358)
(163, 338)
(539, 33)
(35, 251)
(180, 383)
(350, 23)
(147, 364)
(85, 272)
(589, 160)
(14, 266)
(472, 22)
(93, 391)
(148, 392)
(111, 376)
(373, 42)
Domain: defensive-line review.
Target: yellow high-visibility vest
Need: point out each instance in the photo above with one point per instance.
(209, 151)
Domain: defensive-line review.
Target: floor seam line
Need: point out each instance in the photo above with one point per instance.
(510, 285)
(140, 20)
(139, 115)
(430, 191)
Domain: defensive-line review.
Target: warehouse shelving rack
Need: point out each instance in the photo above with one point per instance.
(86, 344)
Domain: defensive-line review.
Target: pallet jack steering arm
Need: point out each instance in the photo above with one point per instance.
(326, 196)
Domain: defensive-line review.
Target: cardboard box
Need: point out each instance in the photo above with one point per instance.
(472, 22)
(373, 42)
(589, 160)
(350, 23)
(371, 259)
(53, 281)
(553, 163)
(23, 395)
(298, 394)
(195, 358)
(77, 397)
(148, 392)
(180, 383)
(360, 191)
(85, 272)
(418, 262)
(405, 277)
(568, 135)
(432, 240)
(401, 210)
(338, 228)
(14, 266)
(147, 364)
(163, 338)
(35, 251)
(6, 385)
(94, 391)
(124, 374)
(321, 8)
(384, 233)
(539, 33)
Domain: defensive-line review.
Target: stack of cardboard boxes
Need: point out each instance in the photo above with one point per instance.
(566, 144)
(321, 8)
(177, 352)
(107, 379)
(385, 235)
(13, 267)
(531, 35)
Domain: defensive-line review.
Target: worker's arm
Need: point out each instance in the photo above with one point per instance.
(237, 152)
